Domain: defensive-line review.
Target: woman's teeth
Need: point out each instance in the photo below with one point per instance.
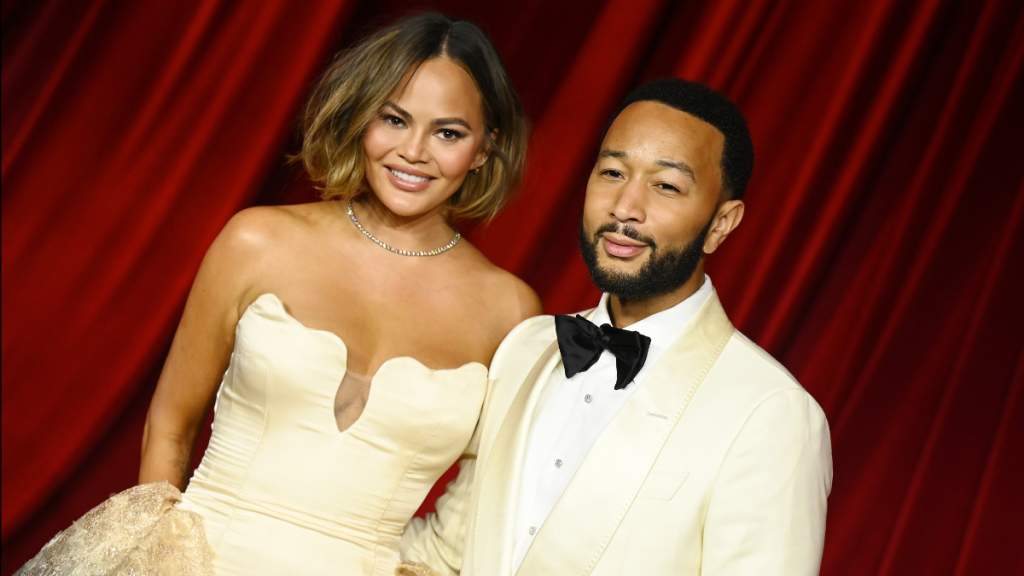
(409, 177)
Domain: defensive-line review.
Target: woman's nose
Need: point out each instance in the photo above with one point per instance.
(413, 148)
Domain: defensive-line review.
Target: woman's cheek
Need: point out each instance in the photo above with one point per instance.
(456, 161)
(375, 142)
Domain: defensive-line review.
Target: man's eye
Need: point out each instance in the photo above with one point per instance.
(667, 186)
(448, 134)
(611, 173)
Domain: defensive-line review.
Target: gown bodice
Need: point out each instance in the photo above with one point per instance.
(282, 491)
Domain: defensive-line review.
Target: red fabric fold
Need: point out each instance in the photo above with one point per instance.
(880, 259)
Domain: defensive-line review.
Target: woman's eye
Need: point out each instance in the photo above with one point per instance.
(392, 120)
(448, 134)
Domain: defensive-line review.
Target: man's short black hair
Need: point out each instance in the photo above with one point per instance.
(715, 109)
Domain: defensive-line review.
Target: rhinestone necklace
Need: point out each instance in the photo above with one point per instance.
(434, 252)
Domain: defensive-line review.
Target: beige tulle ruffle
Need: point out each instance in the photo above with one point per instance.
(138, 532)
(408, 568)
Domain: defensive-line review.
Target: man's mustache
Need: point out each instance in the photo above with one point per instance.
(627, 231)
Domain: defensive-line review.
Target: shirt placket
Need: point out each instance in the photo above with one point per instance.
(564, 459)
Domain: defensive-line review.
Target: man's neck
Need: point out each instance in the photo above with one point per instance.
(626, 312)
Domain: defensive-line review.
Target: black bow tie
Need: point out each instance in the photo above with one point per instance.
(581, 344)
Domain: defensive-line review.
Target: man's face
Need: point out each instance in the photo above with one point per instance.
(650, 200)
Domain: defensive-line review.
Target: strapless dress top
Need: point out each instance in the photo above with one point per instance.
(282, 491)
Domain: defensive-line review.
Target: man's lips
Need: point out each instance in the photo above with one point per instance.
(622, 246)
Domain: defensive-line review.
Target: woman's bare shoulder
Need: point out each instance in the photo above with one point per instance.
(263, 228)
(513, 302)
(509, 295)
(254, 241)
(520, 298)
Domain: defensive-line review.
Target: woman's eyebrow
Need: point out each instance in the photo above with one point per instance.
(444, 121)
(398, 109)
(436, 122)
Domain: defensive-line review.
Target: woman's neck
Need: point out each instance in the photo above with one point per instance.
(418, 232)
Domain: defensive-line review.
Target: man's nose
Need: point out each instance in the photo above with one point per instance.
(631, 202)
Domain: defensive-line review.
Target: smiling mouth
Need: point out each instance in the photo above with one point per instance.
(409, 177)
(622, 244)
(621, 250)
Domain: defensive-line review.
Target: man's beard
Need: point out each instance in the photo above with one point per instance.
(662, 273)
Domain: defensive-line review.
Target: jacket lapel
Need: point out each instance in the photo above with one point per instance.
(499, 485)
(498, 490)
(574, 536)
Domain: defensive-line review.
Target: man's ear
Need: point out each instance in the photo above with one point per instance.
(727, 218)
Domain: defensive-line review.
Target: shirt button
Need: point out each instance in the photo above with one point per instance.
(558, 463)
(533, 530)
(588, 398)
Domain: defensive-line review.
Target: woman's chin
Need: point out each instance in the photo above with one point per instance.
(411, 205)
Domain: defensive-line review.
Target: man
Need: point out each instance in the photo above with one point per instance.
(675, 446)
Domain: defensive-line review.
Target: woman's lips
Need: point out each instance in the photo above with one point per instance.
(621, 250)
(407, 181)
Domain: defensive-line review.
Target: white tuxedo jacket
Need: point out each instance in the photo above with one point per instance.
(719, 464)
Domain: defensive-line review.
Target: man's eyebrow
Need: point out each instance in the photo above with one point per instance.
(436, 122)
(681, 166)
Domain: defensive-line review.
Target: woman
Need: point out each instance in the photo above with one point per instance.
(344, 343)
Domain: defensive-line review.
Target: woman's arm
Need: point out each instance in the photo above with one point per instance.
(202, 347)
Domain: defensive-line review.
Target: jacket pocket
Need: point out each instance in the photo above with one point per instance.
(662, 484)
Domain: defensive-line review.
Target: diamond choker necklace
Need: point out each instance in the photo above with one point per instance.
(434, 252)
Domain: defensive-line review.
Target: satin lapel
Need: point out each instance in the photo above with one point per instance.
(499, 485)
(498, 492)
(585, 518)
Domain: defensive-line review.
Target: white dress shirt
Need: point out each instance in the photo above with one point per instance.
(572, 413)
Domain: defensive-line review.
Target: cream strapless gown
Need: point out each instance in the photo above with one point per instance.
(280, 489)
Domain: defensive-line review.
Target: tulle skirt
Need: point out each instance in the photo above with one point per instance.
(138, 532)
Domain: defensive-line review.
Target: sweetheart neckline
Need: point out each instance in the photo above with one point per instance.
(344, 347)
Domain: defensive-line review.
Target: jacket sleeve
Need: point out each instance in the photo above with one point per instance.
(766, 514)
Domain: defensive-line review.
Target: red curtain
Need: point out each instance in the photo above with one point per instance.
(881, 258)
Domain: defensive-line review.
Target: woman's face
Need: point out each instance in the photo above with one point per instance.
(427, 137)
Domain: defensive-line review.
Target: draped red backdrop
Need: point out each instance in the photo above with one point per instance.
(881, 258)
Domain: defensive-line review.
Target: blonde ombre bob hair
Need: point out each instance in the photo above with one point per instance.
(355, 87)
